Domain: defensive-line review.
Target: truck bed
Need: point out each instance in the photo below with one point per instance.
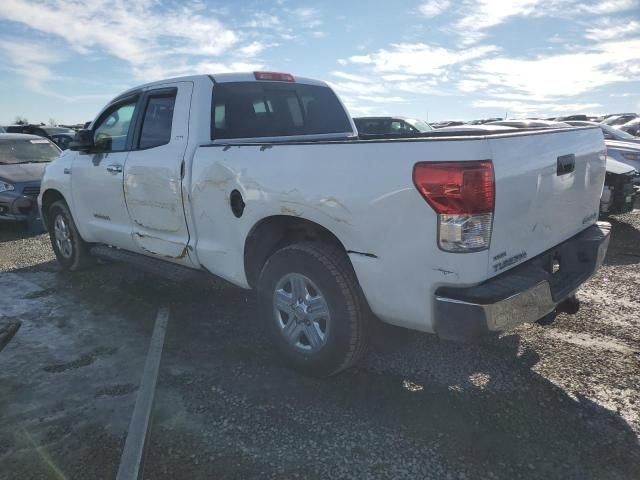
(362, 191)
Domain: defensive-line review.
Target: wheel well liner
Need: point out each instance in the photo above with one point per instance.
(48, 197)
(273, 233)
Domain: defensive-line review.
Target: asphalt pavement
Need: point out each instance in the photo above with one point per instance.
(557, 401)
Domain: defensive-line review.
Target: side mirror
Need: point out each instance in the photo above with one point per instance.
(83, 141)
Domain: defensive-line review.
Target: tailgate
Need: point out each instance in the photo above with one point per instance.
(541, 200)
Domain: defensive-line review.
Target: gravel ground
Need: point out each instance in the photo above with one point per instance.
(560, 401)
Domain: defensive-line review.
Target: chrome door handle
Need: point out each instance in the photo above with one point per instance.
(114, 169)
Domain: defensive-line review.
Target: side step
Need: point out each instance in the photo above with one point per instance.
(156, 266)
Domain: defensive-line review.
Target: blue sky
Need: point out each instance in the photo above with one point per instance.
(435, 60)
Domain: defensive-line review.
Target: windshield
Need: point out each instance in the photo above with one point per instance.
(615, 134)
(35, 150)
(419, 125)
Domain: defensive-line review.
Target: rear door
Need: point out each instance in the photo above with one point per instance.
(154, 170)
(548, 188)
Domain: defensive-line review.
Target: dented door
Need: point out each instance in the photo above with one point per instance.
(153, 172)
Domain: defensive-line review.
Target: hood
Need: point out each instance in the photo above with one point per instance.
(23, 172)
(614, 166)
(618, 145)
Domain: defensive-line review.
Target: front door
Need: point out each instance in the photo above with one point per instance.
(154, 170)
(97, 178)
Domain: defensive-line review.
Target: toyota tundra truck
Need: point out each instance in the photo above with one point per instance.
(262, 179)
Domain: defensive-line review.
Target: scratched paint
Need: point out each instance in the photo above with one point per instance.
(160, 246)
(153, 198)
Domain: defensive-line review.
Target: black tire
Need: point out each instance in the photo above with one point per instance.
(79, 257)
(330, 270)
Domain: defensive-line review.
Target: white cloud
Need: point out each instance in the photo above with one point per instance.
(352, 77)
(608, 29)
(418, 59)
(138, 33)
(433, 8)
(610, 6)
(309, 17)
(253, 49)
(264, 20)
(515, 108)
(190, 68)
(358, 88)
(486, 14)
(559, 75)
(32, 61)
(398, 77)
(381, 99)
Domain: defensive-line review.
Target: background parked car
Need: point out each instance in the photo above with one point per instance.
(484, 120)
(22, 162)
(632, 127)
(619, 119)
(530, 123)
(474, 127)
(448, 123)
(40, 130)
(572, 117)
(390, 126)
(620, 188)
(63, 139)
(608, 131)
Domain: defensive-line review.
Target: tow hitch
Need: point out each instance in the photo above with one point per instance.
(570, 305)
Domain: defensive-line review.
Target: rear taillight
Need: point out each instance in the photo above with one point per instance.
(463, 196)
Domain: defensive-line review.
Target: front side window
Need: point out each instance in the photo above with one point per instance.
(158, 118)
(113, 128)
(263, 109)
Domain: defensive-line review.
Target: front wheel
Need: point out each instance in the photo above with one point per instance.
(71, 250)
(312, 308)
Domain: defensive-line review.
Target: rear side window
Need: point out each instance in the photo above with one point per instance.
(157, 121)
(265, 109)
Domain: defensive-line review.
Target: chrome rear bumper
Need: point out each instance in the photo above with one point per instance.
(525, 293)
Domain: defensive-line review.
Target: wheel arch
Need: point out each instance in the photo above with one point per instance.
(50, 196)
(277, 231)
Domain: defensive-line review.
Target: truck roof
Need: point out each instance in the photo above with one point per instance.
(220, 78)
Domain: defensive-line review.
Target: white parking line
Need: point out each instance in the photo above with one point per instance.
(134, 445)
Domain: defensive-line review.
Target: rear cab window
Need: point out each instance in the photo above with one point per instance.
(275, 109)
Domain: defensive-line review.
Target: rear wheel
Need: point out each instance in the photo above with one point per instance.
(70, 249)
(312, 308)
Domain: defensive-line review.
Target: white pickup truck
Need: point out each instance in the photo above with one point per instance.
(262, 179)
